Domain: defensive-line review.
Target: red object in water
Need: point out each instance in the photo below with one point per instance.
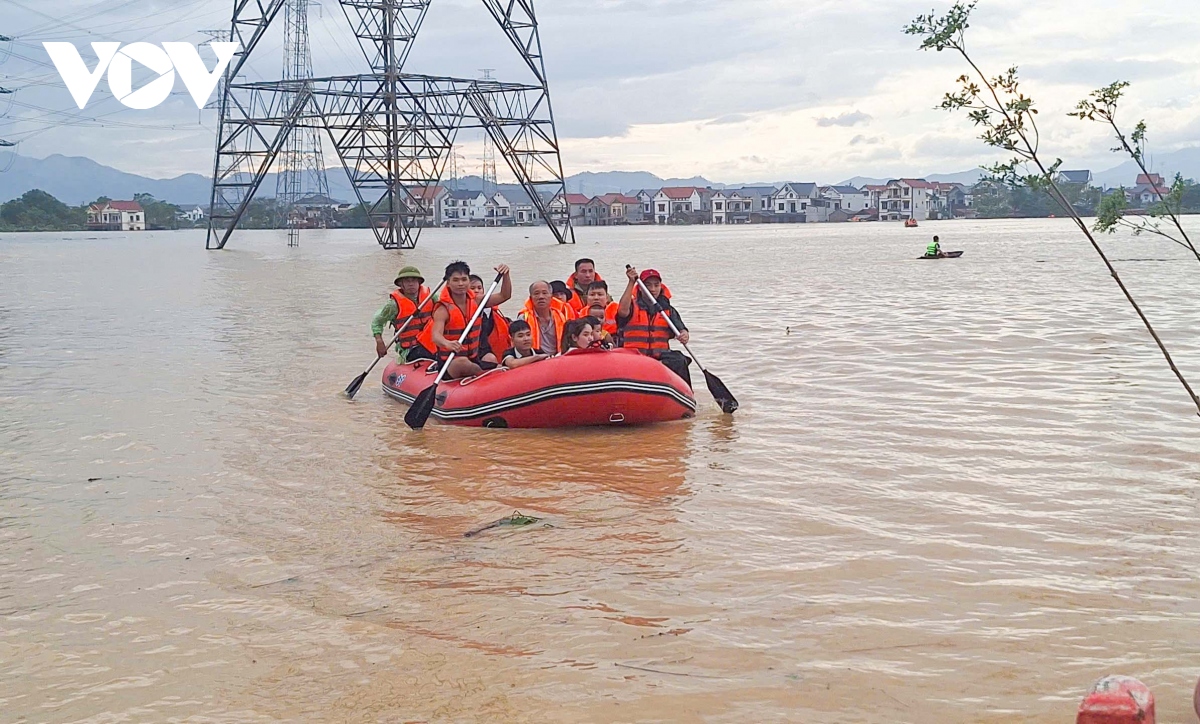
(1117, 700)
(581, 388)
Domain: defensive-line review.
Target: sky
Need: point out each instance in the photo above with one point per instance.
(752, 90)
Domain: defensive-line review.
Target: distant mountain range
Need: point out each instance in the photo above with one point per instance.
(78, 180)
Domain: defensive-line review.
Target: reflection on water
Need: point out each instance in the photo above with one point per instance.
(957, 491)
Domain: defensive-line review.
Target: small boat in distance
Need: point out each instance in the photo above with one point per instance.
(943, 255)
(910, 223)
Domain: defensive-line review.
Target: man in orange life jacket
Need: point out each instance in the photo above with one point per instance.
(601, 306)
(579, 282)
(643, 328)
(401, 304)
(546, 318)
(454, 309)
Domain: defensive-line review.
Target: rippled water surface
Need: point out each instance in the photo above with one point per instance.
(956, 490)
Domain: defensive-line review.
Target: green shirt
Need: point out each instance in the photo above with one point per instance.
(384, 317)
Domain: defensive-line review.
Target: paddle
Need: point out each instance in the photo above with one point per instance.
(352, 388)
(418, 414)
(716, 387)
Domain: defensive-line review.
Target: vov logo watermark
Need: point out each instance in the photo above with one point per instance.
(118, 61)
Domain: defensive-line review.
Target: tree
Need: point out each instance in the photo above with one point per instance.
(37, 210)
(1008, 121)
(159, 214)
(1101, 107)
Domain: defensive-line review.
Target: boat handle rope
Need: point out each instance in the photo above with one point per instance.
(469, 380)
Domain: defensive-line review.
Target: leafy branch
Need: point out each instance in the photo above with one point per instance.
(1101, 107)
(1007, 120)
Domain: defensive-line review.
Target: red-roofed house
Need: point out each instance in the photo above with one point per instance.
(906, 198)
(572, 205)
(682, 203)
(427, 201)
(618, 209)
(116, 216)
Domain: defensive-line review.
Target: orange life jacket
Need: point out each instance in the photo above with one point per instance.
(608, 318)
(560, 313)
(646, 332)
(406, 308)
(579, 301)
(499, 339)
(454, 326)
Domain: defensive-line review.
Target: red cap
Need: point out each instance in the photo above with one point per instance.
(648, 273)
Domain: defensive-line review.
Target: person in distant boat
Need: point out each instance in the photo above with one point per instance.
(521, 352)
(643, 328)
(601, 306)
(578, 334)
(580, 283)
(546, 317)
(402, 303)
(454, 309)
(934, 249)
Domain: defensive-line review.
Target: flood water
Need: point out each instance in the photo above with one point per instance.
(956, 491)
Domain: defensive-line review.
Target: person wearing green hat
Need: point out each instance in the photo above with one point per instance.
(411, 298)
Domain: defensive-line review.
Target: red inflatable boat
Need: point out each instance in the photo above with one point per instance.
(580, 388)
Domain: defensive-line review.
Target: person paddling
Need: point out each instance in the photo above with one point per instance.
(934, 250)
(643, 328)
(546, 319)
(455, 307)
(401, 304)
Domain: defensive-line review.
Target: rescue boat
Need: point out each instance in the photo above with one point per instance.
(584, 387)
(910, 223)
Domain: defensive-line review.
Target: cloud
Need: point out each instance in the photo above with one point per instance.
(729, 119)
(865, 140)
(846, 119)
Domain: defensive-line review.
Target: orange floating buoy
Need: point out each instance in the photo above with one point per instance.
(1117, 700)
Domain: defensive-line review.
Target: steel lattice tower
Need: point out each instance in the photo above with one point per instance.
(301, 163)
(393, 131)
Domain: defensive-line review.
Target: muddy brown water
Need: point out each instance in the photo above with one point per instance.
(956, 491)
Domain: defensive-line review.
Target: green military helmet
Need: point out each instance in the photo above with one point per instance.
(409, 272)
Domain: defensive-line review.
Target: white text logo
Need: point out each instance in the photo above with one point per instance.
(171, 57)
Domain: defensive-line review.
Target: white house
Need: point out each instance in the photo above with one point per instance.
(847, 198)
(793, 199)
(116, 216)
(731, 206)
(906, 198)
(497, 211)
(677, 200)
(647, 199)
(457, 207)
(196, 214)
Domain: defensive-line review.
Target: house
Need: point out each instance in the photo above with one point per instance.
(846, 197)
(461, 208)
(521, 207)
(595, 212)
(759, 199)
(874, 193)
(792, 200)
(116, 216)
(647, 199)
(906, 198)
(497, 210)
(949, 200)
(618, 209)
(732, 206)
(426, 203)
(193, 216)
(1079, 178)
(1147, 190)
(681, 204)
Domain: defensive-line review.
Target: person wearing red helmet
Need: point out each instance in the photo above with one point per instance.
(644, 329)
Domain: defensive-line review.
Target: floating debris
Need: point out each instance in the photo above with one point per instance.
(516, 520)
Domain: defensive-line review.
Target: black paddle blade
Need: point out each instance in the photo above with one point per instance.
(418, 414)
(352, 388)
(721, 393)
